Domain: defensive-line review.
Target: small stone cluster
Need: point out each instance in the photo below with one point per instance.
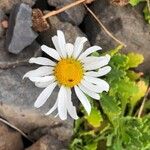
(17, 96)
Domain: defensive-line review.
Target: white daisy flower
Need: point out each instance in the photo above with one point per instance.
(72, 69)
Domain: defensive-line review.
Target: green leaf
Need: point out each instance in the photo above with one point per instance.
(109, 139)
(133, 75)
(131, 128)
(78, 125)
(96, 54)
(142, 86)
(146, 14)
(76, 144)
(94, 118)
(147, 105)
(135, 60)
(109, 104)
(91, 146)
(114, 51)
(127, 88)
(120, 60)
(134, 2)
(115, 75)
(110, 107)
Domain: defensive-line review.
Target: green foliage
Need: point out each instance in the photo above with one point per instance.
(146, 12)
(134, 60)
(134, 2)
(142, 85)
(113, 123)
(131, 134)
(94, 118)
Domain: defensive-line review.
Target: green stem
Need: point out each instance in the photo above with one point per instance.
(148, 5)
(131, 110)
(124, 103)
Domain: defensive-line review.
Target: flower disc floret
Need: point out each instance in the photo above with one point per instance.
(69, 72)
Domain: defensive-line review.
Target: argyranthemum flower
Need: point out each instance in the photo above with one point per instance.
(72, 69)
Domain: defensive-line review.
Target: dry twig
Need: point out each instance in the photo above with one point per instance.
(39, 20)
(104, 28)
(89, 1)
(7, 65)
(143, 103)
(15, 128)
(55, 12)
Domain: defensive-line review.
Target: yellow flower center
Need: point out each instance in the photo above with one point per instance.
(69, 72)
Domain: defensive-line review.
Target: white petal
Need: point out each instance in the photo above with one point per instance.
(91, 59)
(56, 44)
(97, 63)
(53, 108)
(106, 61)
(43, 84)
(92, 66)
(89, 92)
(51, 52)
(92, 73)
(90, 86)
(62, 43)
(83, 99)
(62, 110)
(42, 98)
(102, 71)
(42, 61)
(71, 109)
(78, 46)
(42, 79)
(69, 49)
(104, 86)
(89, 51)
(41, 71)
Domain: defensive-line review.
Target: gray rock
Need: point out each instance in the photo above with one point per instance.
(10, 139)
(2, 17)
(48, 142)
(1, 31)
(20, 33)
(7, 59)
(29, 2)
(126, 23)
(6, 5)
(74, 15)
(71, 32)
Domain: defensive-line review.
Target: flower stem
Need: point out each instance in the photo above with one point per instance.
(148, 5)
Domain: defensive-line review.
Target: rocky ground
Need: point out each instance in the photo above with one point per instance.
(17, 96)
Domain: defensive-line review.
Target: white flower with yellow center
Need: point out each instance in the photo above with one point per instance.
(72, 69)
